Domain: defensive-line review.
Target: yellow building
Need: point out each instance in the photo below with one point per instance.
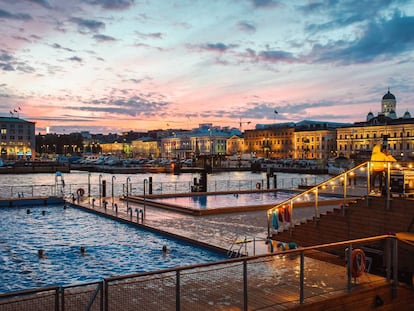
(115, 148)
(272, 141)
(315, 144)
(145, 149)
(395, 134)
(235, 145)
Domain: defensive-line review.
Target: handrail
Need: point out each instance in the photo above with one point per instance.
(343, 176)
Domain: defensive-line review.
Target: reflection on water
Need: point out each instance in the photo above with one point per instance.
(212, 201)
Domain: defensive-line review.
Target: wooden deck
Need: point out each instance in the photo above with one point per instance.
(272, 284)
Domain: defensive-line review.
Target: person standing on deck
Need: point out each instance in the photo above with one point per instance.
(379, 161)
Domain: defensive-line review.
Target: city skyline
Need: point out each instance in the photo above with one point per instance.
(118, 65)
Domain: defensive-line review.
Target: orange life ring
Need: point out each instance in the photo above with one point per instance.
(358, 262)
(258, 186)
(80, 192)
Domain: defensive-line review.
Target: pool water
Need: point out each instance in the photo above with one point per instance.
(212, 201)
(112, 248)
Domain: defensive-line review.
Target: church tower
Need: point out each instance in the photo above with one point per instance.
(388, 105)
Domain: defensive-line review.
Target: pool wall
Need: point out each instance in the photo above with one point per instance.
(31, 201)
(148, 201)
(117, 217)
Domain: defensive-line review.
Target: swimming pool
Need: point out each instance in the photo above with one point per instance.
(218, 201)
(112, 248)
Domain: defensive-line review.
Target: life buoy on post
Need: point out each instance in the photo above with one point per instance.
(80, 192)
(258, 186)
(357, 262)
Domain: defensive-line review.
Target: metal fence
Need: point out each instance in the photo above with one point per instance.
(119, 188)
(284, 279)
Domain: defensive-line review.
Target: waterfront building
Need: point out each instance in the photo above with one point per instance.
(271, 141)
(315, 144)
(145, 147)
(205, 141)
(176, 146)
(235, 145)
(303, 140)
(17, 138)
(115, 148)
(394, 133)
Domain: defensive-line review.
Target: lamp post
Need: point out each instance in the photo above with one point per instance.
(145, 186)
(113, 180)
(100, 193)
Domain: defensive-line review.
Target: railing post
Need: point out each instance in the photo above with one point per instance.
(245, 290)
(302, 278)
(105, 295)
(368, 181)
(395, 267)
(345, 185)
(388, 251)
(177, 291)
(291, 217)
(348, 266)
(101, 308)
(316, 204)
(57, 299)
(387, 182)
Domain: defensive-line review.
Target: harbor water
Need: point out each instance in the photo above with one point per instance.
(48, 184)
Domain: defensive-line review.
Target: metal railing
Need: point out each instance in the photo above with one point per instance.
(343, 184)
(265, 281)
(119, 187)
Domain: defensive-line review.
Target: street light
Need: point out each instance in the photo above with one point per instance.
(113, 179)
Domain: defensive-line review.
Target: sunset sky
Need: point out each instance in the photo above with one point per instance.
(118, 65)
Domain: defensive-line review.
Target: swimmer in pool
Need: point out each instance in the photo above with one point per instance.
(41, 253)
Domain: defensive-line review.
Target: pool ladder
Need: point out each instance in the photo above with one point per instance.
(237, 246)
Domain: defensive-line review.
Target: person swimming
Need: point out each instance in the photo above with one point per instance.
(41, 253)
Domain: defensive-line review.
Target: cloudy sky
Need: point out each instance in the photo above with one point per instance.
(113, 65)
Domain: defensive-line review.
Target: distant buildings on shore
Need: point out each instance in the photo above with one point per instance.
(17, 138)
(303, 140)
